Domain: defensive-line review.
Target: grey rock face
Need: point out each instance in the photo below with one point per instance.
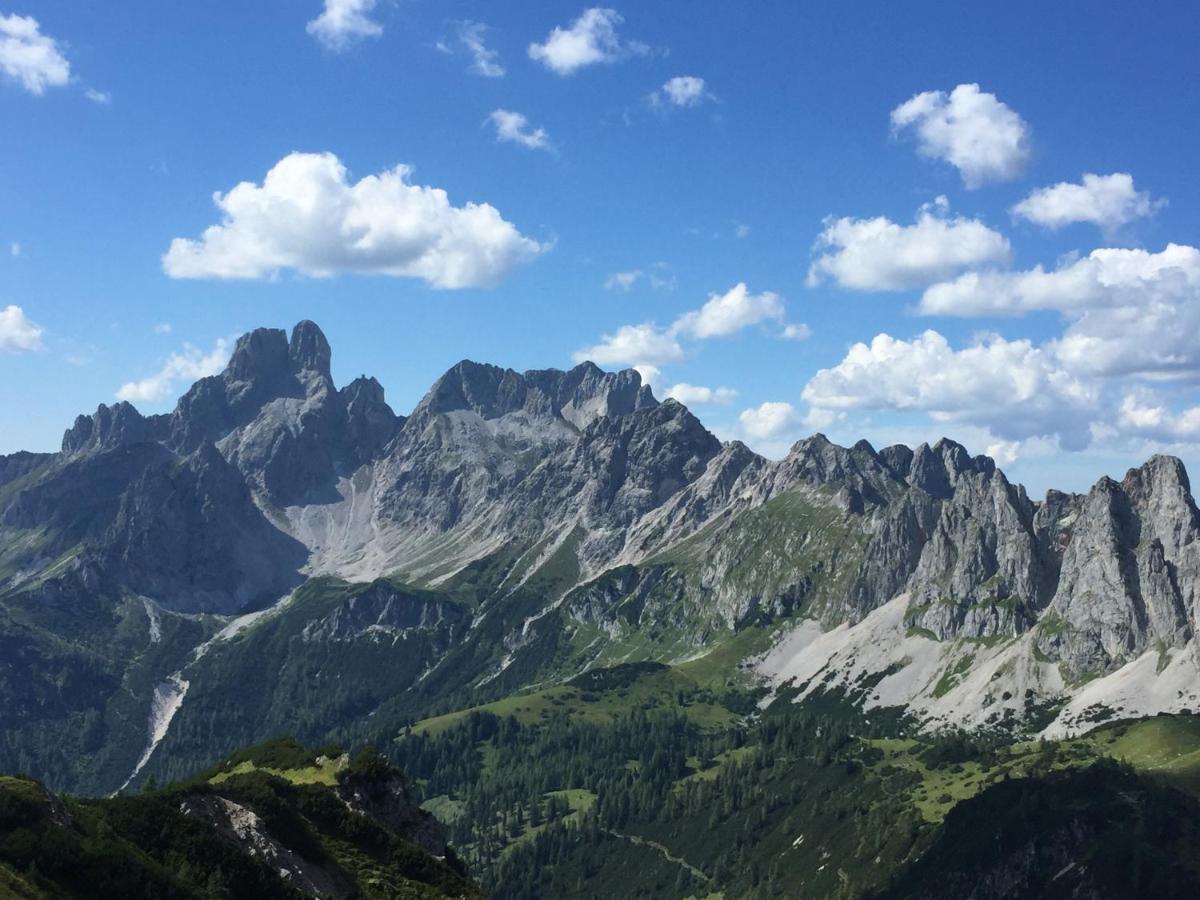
(384, 612)
(185, 531)
(370, 422)
(578, 396)
(109, 428)
(188, 532)
(981, 573)
(276, 415)
(1129, 570)
(18, 465)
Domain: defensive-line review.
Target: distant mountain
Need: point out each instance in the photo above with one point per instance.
(280, 555)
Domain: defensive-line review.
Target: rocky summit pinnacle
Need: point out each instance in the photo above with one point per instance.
(308, 351)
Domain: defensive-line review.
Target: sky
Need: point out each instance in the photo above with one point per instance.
(880, 220)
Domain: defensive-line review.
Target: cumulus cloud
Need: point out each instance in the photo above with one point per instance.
(1130, 316)
(636, 345)
(185, 366)
(1129, 311)
(32, 59)
(970, 129)
(307, 216)
(1014, 388)
(17, 333)
(681, 91)
(696, 395)
(1145, 414)
(721, 316)
(590, 39)
(484, 60)
(1107, 277)
(514, 128)
(769, 420)
(343, 22)
(879, 255)
(1107, 201)
(728, 313)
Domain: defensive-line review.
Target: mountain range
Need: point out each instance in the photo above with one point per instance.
(278, 555)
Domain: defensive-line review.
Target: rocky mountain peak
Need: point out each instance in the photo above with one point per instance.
(370, 422)
(898, 458)
(1162, 476)
(259, 355)
(936, 470)
(308, 351)
(579, 395)
(858, 472)
(587, 392)
(107, 428)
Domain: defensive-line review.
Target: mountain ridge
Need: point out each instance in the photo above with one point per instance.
(569, 521)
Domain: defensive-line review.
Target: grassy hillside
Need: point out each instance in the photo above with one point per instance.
(274, 821)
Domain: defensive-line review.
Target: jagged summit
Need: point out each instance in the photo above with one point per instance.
(578, 395)
(308, 351)
(107, 428)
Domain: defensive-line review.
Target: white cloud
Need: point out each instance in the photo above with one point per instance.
(163, 328)
(1107, 277)
(514, 128)
(636, 345)
(1129, 311)
(484, 60)
(1014, 388)
(796, 331)
(973, 131)
(695, 394)
(308, 217)
(1145, 414)
(187, 366)
(721, 315)
(29, 57)
(591, 39)
(623, 280)
(343, 22)
(659, 277)
(101, 98)
(769, 420)
(741, 229)
(17, 333)
(14, 249)
(728, 313)
(879, 255)
(1108, 201)
(682, 91)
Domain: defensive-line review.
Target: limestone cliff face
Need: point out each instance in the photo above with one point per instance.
(1129, 570)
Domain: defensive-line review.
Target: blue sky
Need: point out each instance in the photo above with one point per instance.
(832, 159)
